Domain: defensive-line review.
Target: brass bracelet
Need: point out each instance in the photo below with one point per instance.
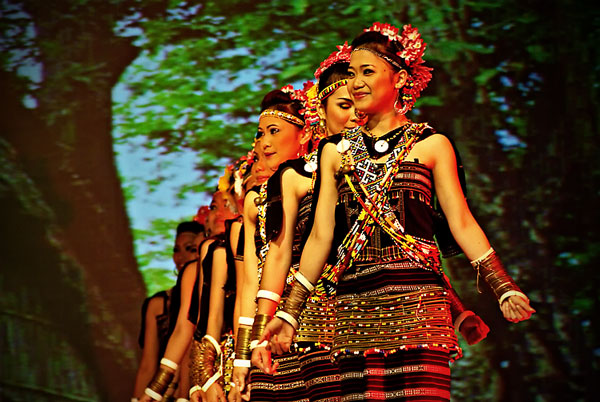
(491, 269)
(195, 363)
(209, 355)
(161, 380)
(260, 322)
(242, 344)
(294, 305)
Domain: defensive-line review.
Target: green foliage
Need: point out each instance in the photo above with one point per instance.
(158, 279)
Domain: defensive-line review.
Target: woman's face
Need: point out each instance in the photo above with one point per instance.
(185, 248)
(259, 172)
(373, 84)
(221, 208)
(280, 140)
(338, 111)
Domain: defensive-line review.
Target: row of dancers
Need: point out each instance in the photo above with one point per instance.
(316, 273)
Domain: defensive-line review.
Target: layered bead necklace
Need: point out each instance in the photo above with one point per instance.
(378, 146)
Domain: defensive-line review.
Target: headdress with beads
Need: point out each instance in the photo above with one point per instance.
(412, 52)
(316, 95)
(202, 214)
(236, 174)
(295, 94)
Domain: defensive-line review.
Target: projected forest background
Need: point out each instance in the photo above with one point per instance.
(117, 116)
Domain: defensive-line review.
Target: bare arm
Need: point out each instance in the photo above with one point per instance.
(214, 325)
(149, 360)
(216, 310)
(247, 286)
(464, 228)
(250, 277)
(184, 329)
(239, 271)
(317, 247)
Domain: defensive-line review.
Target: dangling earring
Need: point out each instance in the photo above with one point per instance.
(321, 131)
(405, 98)
(301, 151)
(398, 109)
(322, 125)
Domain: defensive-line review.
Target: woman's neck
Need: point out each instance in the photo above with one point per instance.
(382, 123)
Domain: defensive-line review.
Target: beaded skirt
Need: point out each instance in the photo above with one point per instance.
(389, 307)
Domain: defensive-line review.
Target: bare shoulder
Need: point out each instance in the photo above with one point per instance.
(204, 247)
(155, 306)
(330, 156)
(436, 140)
(250, 210)
(235, 226)
(431, 150)
(293, 182)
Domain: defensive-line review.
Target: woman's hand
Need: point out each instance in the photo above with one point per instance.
(279, 334)
(197, 396)
(261, 358)
(473, 329)
(215, 394)
(516, 308)
(241, 390)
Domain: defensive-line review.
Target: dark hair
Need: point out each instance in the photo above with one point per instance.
(336, 72)
(380, 43)
(192, 227)
(279, 100)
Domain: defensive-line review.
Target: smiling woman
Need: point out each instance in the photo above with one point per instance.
(280, 130)
(394, 334)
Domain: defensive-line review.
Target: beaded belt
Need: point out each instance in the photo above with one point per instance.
(317, 322)
(389, 323)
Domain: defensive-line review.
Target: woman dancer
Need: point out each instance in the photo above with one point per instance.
(289, 197)
(221, 271)
(221, 209)
(282, 137)
(393, 334)
(158, 310)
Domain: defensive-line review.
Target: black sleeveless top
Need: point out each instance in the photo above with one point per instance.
(427, 222)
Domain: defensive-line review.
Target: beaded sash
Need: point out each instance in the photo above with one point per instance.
(374, 184)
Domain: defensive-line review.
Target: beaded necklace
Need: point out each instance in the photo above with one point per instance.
(312, 166)
(380, 145)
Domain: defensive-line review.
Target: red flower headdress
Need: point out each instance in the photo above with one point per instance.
(202, 214)
(296, 94)
(413, 49)
(340, 56)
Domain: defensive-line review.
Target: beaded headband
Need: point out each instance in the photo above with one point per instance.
(290, 118)
(379, 54)
(413, 49)
(332, 88)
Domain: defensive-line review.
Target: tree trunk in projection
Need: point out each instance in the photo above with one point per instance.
(65, 147)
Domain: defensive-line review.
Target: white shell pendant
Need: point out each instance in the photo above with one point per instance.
(381, 146)
(343, 145)
(310, 167)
